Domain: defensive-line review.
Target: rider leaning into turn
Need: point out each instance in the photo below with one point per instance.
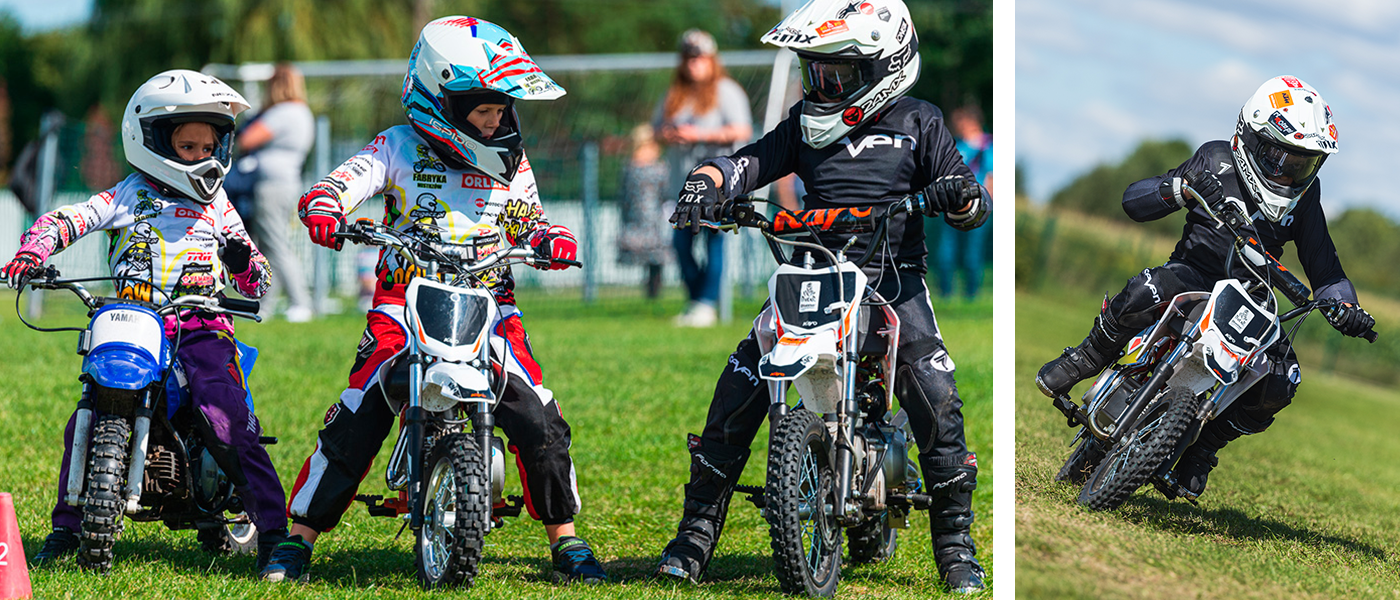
(1284, 134)
(167, 223)
(855, 141)
(457, 164)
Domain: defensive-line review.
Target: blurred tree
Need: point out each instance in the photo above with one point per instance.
(1366, 239)
(100, 169)
(1100, 191)
(23, 100)
(955, 48)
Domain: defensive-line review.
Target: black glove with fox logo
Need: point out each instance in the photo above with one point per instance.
(699, 201)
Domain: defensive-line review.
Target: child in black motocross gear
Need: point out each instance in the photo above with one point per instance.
(853, 143)
(1269, 167)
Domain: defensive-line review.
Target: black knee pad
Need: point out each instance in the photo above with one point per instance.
(1136, 306)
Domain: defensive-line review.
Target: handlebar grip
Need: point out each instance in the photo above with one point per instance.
(235, 304)
(571, 263)
(1370, 336)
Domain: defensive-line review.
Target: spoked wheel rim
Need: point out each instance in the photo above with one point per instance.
(1127, 449)
(815, 519)
(439, 516)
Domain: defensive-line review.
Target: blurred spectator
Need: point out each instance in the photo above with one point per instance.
(704, 114)
(965, 250)
(100, 169)
(647, 201)
(279, 138)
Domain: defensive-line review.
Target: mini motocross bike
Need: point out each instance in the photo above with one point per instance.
(1204, 352)
(839, 460)
(447, 466)
(137, 444)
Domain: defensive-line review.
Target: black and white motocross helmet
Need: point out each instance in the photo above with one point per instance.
(1284, 134)
(162, 104)
(857, 56)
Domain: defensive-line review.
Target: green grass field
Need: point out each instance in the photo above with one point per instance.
(631, 386)
(1306, 510)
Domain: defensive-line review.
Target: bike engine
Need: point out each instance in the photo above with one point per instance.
(162, 475)
(211, 487)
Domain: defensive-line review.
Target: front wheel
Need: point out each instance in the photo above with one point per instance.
(801, 495)
(1085, 458)
(1129, 465)
(456, 513)
(104, 501)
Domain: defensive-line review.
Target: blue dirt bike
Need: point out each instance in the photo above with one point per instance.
(137, 446)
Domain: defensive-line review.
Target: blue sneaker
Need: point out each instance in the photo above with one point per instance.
(289, 561)
(574, 561)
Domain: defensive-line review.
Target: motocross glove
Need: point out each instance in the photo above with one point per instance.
(23, 267)
(945, 194)
(554, 244)
(236, 254)
(1204, 182)
(1349, 319)
(699, 200)
(320, 211)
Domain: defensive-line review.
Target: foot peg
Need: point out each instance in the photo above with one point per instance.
(1071, 411)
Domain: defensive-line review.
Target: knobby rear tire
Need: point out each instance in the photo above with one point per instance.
(1082, 462)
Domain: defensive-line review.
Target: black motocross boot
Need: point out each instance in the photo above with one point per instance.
(1194, 467)
(950, 522)
(714, 471)
(1100, 348)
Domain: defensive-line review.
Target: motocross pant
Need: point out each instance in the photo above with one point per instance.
(924, 385)
(355, 427)
(1139, 305)
(217, 388)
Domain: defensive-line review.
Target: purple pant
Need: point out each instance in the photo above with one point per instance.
(216, 386)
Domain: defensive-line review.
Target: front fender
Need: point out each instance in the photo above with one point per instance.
(447, 383)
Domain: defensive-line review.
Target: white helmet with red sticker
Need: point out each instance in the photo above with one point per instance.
(857, 56)
(1284, 134)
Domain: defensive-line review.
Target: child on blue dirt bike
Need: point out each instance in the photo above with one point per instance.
(167, 223)
(456, 165)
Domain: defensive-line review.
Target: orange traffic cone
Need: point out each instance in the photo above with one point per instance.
(14, 571)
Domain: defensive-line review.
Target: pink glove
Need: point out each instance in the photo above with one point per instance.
(22, 267)
(555, 243)
(320, 212)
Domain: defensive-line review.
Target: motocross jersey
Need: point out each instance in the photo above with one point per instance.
(157, 240)
(1204, 246)
(421, 190)
(897, 153)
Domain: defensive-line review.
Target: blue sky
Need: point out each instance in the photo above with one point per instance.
(42, 15)
(1095, 77)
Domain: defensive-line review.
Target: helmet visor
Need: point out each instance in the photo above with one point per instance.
(1286, 171)
(829, 80)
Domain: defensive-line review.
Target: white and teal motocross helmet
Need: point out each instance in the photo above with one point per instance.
(458, 64)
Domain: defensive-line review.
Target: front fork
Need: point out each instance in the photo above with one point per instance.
(78, 452)
(844, 453)
(413, 423)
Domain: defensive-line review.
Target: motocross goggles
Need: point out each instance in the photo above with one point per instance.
(827, 80)
(1285, 170)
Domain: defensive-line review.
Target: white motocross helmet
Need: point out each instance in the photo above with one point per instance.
(1284, 134)
(458, 64)
(857, 56)
(165, 102)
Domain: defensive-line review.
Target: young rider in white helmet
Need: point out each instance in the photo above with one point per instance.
(168, 222)
(1284, 134)
(855, 140)
(456, 164)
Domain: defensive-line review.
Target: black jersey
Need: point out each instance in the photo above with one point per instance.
(896, 154)
(1204, 246)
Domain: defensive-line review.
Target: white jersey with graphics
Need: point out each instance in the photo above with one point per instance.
(419, 188)
(169, 243)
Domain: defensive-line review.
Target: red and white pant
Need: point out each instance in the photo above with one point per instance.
(355, 427)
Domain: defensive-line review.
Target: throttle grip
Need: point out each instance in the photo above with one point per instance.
(239, 305)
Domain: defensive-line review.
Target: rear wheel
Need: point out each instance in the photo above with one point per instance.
(801, 495)
(872, 541)
(104, 500)
(456, 513)
(1129, 465)
(238, 536)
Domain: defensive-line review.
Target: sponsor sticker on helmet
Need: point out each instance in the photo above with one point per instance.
(1281, 124)
(1291, 82)
(831, 28)
(884, 14)
(852, 116)
(1332, 131)
(1281, 99)
(867, 9)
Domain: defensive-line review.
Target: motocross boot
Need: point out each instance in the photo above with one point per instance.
(1195, 465)
(61, 542)
(950, 522)
(714, 471)
(1100, 348)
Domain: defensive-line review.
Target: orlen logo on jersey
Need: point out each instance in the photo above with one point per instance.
(879, 139)
(473, 181)
(185, 213)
